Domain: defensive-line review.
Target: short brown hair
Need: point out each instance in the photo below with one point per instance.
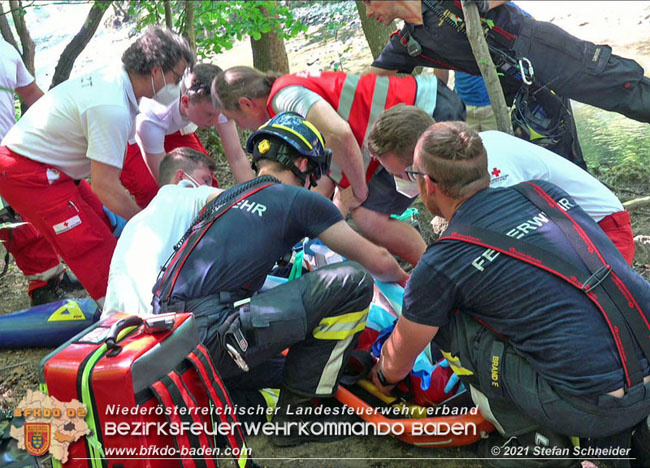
(397, 130)
(236, 82)
(186, 159)
(157, 46)
(454, 155)
(196, 85)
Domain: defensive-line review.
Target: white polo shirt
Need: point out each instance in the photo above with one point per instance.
(146, 243)
(156, 120)
(13, 74)
(512, 160)
(82, 119)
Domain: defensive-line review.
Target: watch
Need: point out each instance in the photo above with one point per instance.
(382, 379)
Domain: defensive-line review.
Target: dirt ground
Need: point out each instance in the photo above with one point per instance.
(625, 26)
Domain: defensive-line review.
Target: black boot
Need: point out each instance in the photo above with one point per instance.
(298, 420)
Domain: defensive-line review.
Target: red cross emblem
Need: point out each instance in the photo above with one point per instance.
(496, 172)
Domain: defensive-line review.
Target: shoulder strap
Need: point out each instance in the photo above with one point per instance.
(615, 302)
(213, 211)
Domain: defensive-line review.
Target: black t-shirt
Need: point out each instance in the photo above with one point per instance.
(559, 330)
(242, 246)
(444, 46)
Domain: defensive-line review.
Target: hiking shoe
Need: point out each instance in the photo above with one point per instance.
(69, 283)
(51, 292)
(535, 449)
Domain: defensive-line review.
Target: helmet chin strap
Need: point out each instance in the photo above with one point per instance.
(279, 154)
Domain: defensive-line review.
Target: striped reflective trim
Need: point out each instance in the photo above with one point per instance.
(270, 396)
(332, 368)
(379, 96)
(293, 132)
(455, 364)
(347, 96)
(426, 94)
(340, 326)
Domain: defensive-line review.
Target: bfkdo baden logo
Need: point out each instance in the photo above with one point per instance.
(37, 438)
(50, 425)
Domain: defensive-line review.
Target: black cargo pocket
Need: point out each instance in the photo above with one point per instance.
(74, 234)
(272, 325)
(558, 40)
(596, 57)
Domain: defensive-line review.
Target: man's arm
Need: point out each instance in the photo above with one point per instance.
(379, 71)
(497, 3)
(378, 261)
(400, 350)
(30, 93)
(239, 164)
(106, 184)
(153, 162)
(345, 149)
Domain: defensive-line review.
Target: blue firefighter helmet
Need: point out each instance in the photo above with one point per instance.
(287, 136)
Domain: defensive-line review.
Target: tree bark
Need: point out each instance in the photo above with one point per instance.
(29, 48)
(485, 64)
(79, 42)
(168, 14)
(5, 29)
(377, 34)
(189, 32)
(269, 53)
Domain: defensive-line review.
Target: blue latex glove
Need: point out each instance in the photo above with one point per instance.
(117, 222)
(453, 380)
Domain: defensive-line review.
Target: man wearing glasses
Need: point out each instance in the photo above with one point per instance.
(537, 348)
(169, 122)
(77, 130)
(510, 160)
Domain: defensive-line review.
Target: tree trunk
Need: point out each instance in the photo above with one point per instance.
(79, 42)
(5, 29)
(189, 32)
(27, 54)
(377, 34)
(269, 53)
(485, 64)
(168, 14)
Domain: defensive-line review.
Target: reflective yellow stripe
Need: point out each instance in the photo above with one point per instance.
(341, 326)
(355, 322)
(455, 364)
(347, 96)
(270, 396)
(309, 145)
(243, 456)
(315, 130)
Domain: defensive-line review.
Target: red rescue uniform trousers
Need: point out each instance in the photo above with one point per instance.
(618, 228)
(136, 176)
(65, 211)
(33, 254)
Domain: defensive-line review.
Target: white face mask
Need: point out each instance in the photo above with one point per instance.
(189, 181)
(167, 94)
(406, 187)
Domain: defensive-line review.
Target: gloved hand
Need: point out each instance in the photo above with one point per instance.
(483, 5)
(117, 222)
(453, 380)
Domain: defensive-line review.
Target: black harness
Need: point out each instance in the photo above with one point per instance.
(207, 217)
(596, 278)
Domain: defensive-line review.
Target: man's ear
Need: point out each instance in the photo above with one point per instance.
(185, 101)
(302, 164)
(179, 176)
(246, 103)
(430, 186)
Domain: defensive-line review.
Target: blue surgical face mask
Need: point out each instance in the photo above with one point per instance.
(406, 187)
